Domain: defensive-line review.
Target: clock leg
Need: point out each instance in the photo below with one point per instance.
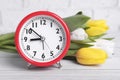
(59, 65)
(29, 66)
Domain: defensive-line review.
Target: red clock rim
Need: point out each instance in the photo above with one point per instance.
(42, 64)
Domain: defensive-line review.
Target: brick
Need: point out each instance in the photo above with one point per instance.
(113, 18)
(119, 3)
(33, 4)
(0, 19)
(117, 44)
(45, 4)
(112, 15)
(11, 4)
(93, 3)
(56, 3)
(11, 19)
(66, 12)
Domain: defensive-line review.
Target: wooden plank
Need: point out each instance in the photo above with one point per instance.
(19, 64)
(13, 67)
(60, 74)
(8, 55)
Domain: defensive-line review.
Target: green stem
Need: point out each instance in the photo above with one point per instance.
(7, 36)
(8, 47)
(8, 50)
(7, 42)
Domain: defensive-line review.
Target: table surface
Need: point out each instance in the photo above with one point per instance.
(13, 67)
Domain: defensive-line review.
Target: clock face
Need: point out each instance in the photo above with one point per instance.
(42, 39)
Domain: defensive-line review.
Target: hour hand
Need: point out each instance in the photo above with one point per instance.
(35, 39)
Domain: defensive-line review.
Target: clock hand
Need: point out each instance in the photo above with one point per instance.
(47, 45)
(36, 33)
(35, 39)
(42, 38)
(49, 49)
(43, 44)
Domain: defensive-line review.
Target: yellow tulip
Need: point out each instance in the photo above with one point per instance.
(93, 31)
(96, 27)
(91, 56)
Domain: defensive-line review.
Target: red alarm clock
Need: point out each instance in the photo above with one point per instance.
(42, 38)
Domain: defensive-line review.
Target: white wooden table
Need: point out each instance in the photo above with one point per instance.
(13, 67)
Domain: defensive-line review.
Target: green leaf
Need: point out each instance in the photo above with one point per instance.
(76, 21)
(96, 37)
(92, 39)
(89, 39)
(76, 46)
(72, 58)
(71, 52)
(79, 13)
(83, 41)
(108, 38)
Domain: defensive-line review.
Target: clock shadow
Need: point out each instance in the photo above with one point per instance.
(16, 62)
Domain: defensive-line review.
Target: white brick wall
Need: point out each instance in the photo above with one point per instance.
(12, 11)
(93, 3)
(0, 18)
(11, 4)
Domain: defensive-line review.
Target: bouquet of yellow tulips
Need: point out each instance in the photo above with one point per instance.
(88, 44)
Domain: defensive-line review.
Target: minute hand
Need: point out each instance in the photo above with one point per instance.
(41, 38)
(36, 33)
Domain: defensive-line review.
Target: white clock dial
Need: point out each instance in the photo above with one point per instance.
(42, 38)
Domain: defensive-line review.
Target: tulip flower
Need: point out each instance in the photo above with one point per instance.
(91, 56)
(79, 34)
(96, 27)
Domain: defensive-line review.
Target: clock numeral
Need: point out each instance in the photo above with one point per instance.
(28, 31)
(57, 32)
(28, 47)
(42, 22)
(60, 38)
(34, 52)
(34, 25)
(43, 56)
(58, 47)
(51, 24)
(51, 53)
(25, 38)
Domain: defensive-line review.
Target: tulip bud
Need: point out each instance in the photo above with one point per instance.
(96, 27)
(79, 34)
(91, 56)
